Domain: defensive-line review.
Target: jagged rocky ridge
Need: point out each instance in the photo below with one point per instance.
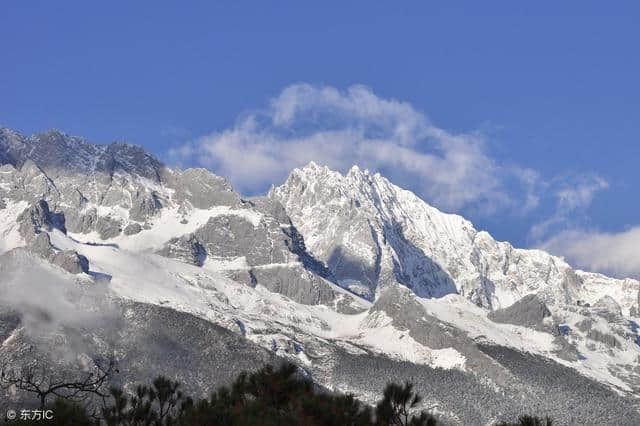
(353, 278)
(371, 234)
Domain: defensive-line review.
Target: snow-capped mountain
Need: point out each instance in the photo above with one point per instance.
(372, 234)
(353, 278)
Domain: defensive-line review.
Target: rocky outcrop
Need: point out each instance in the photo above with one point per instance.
(83, 221)
(108, 227)
(41, 245)
(296, 283)
(529, 311)
(144, 205)
(132, 229)
(201, 189)
(37, 218)
(69, 260)
(232, 236)
(608, 308)
(186, 249)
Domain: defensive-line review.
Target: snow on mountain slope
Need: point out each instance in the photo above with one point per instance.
(204, 292)
(169, 223)
(9, 236)
(372, 234)
(599, 362)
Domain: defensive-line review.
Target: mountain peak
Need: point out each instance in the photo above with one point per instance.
(357, 172)
(52, 133)
(313, 171)
(377, 234)
(8, 132)
(313, 167)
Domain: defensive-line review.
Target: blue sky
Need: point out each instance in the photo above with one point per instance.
(522, 117)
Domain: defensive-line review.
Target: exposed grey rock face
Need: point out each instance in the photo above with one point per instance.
(296, 283)
(186, 248)
(81, 222)
(108, 227)
(608, 308)
(31, 183)
(75, 177)
(230, 236)
(59, 154)
(3, 204)
(529, 311)
(132, 229)
(4, 158)
(11, 143)
(276, 217)
(273, 250)
(202, 189)
(407, 314)
(271, 207)
(41, 245)
(33, 219)
(37, 218)
(145, 205)
(71, 261)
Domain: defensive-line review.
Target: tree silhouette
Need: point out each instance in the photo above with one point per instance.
(44, 381)
(398, 405)
(160, 404)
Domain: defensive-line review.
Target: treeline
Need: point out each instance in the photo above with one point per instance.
(268, 397)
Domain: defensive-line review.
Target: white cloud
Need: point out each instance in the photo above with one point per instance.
(564, 235)
(610, 253)
(355, 126)
(573, 195)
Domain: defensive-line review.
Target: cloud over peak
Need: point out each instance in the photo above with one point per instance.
(453, 171)
(340, 128)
